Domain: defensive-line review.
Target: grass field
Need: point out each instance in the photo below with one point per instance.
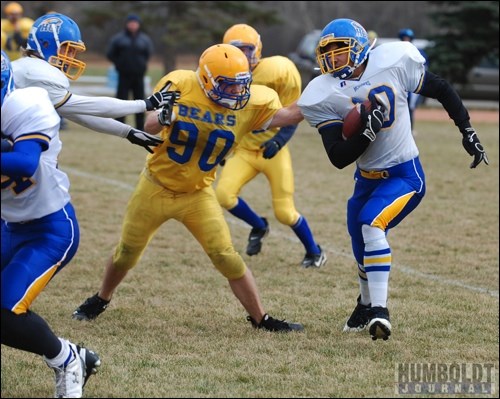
(174, 329)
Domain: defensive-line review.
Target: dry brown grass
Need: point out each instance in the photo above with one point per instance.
(174, 328)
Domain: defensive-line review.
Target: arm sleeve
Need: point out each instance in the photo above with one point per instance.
(284, 135)
(101, 106)
(101, 125)
(23, 160)
(438, 88)
(342, 152)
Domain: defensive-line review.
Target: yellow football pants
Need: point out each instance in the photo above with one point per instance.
(151, 205)
(245, 165)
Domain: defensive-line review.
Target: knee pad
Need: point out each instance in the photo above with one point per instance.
(285, 211)
(226, 200)
(126, 257)
(229, 263)
(374, 238)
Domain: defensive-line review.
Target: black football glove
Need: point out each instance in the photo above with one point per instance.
(271, 148)
(473, 146)
(143, 139)
(160, 99)
(374, 119)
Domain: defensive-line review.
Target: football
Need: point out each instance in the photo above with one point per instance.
(353, 124)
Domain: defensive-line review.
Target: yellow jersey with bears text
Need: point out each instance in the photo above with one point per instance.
(203, 132)
(280, 74)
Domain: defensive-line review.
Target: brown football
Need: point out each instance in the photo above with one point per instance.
(353, 124)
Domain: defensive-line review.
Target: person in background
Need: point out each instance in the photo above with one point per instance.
(40, 233)
(267, 152)
(211, 118)
(15, 30)
(414, 99)
(130, 51)
(389, 181)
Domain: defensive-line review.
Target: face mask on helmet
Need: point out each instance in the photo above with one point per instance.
(7, 77)
(224, 75)
(348, 37)
(247, 40)
(56, 38)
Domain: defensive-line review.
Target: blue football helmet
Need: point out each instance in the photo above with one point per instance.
(7, 77)
(406, 33)
(224, 75)
(351, 38)
(56, 38)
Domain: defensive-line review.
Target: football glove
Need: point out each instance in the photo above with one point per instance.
(473, 146)
(271, 148)
(166, 113)
(143, 139)
(374, 119)
(161, 98)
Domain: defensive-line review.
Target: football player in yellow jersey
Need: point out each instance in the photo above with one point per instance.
(265, 151)
(15, 30)
(217, 108)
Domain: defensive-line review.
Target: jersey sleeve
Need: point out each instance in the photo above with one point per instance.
(29, 116)
(318, 105)
(102, 106)
(263, 105)
(412, 69)
(280, 74)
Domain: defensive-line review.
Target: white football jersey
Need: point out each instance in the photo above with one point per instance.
(393, 70)
(34, 72)
(29, 113)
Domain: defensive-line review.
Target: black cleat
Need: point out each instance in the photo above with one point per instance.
(255, 239)
(91, 308)
(379, 324)
(314, 260)
(359, 318)
(270, 324)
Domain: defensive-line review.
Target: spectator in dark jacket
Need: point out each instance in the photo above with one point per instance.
(130, 51)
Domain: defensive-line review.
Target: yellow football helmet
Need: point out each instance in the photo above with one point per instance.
(224, 76)
(246, 39)
(13, 9)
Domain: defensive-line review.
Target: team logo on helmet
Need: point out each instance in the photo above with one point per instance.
(52, 24)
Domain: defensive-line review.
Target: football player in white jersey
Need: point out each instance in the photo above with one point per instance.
(40, 232)
(389, 180)
(50, 59)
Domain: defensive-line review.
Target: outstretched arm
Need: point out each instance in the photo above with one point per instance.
(286, 116)
(436, 87)
(115, 128)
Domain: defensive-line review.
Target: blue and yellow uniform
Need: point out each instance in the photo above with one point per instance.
(265, 151)
(177, 178)
(217, 108)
